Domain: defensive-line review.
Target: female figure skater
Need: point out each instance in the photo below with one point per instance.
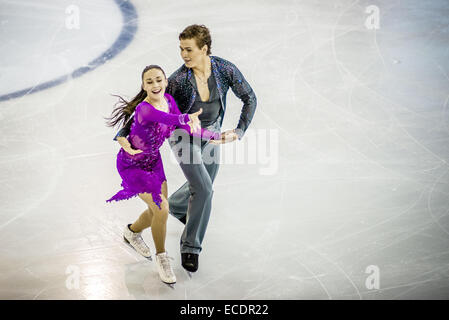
(156, 116)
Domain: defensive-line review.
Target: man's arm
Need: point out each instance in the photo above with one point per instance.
(124, 132)
(244, 92)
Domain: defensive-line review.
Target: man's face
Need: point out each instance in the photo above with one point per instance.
(190, 53)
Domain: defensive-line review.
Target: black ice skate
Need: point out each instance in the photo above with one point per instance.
(190, 261)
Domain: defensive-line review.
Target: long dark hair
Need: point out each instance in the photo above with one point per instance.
(125, 109)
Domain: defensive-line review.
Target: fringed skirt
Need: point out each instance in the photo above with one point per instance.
(140, 173)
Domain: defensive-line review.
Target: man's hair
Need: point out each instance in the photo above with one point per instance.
(201, 35)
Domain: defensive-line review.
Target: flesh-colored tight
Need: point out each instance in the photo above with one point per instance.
(155, 218)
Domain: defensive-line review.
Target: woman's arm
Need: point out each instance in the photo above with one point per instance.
(124, 143)
(120, 137)
(146, 113)
(203, 133)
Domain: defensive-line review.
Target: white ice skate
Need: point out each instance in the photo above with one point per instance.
(135, 240)
(165, 270)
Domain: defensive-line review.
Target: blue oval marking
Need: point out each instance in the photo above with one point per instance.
(127, 33)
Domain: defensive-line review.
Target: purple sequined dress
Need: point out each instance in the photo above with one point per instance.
(144, 172)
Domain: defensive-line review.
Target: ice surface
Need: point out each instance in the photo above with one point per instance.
(362, 177)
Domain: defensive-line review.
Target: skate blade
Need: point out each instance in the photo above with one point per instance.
(134, 249)
(189, 273)
(171, 285)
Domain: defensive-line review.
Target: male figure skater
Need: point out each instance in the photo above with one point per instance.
(201, 82)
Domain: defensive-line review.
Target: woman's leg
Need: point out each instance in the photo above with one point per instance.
(159, 221)
(143, 222)
(159, 231)
(145, 219)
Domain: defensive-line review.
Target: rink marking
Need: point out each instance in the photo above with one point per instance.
(125, 37)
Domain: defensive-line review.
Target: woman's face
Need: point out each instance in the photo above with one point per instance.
(154, 83)
(190, 53)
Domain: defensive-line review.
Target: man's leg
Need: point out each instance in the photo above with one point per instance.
(200, 202)
(200, 189)
(179, 200)
(211, 151)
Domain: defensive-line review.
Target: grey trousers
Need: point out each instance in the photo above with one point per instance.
(193, 199)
